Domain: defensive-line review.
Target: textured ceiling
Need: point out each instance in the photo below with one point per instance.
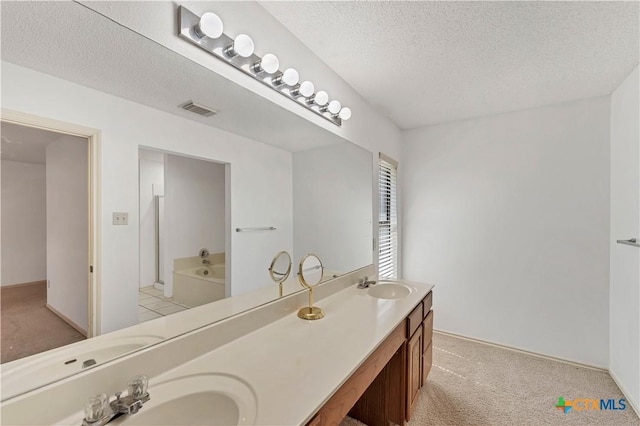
(423, 63)
(25, 144)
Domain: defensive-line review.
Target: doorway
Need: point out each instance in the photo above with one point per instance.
(182, 233)
(46, 250)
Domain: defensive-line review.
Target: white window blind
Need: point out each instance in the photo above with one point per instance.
(387, 218)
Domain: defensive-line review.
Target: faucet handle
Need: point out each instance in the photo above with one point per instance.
(96, 408)
(138, 387)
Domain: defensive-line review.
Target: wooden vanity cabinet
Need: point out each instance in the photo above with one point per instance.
(414, 370)
(419, 350)
(369, 394)
(385, 388)
(427, 353)
(427, 337)
(414, 357)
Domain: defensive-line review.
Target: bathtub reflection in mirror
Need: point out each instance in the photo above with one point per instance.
(182, 232)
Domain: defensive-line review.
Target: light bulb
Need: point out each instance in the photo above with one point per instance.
(321, 98)
(270, 63)
(305, 89)
(345, 113)
(334, 107)
(242, 46)
(210, 25)
(290, 77)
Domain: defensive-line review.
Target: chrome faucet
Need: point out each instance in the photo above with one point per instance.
(204, 253)
(365, 283)
(99, 411)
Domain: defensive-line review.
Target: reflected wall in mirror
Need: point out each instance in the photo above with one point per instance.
(182, 231)
(312, 186)
(332, 202)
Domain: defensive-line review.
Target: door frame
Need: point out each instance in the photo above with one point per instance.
(93, 208)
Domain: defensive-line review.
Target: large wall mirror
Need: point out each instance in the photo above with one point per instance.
(210, 200)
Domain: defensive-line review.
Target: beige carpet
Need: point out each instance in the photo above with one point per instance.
(27, 327)
(476, 384)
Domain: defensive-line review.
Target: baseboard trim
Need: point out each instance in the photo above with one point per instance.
(523, 351)
(631, 401)
(41, 282)
(67, 320)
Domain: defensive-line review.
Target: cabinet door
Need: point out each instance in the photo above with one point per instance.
(427, 334)
(427, 363)
(427, 331)
(414, 369)
(396, 387)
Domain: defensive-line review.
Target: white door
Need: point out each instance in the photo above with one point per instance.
(624, 295)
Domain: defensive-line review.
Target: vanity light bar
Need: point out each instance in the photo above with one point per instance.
(206, 32)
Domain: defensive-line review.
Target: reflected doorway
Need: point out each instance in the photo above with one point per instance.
(45, 240)
(182, 233)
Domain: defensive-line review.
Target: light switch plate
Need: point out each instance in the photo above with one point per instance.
(120, 218)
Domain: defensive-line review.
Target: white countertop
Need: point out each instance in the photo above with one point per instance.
(158, 329)
(146, 333)
(294, 366)
(291, 366)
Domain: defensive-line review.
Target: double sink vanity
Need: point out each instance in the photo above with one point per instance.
(267, 366)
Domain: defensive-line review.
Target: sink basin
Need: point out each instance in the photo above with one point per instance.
(203, 399)
(389, 290)
(25, 374)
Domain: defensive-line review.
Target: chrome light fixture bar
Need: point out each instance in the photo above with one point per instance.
(206, 32)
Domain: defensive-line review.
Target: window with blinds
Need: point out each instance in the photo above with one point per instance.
(387, 218)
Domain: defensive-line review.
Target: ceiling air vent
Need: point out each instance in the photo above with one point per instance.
(199, 109)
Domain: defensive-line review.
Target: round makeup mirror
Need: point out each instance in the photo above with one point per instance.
(280, 268)
(310, 273)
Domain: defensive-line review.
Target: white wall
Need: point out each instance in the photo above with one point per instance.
(624, 303)
(24, 222)
(194, 210)
(327, 183)
(256, 169)
(509, 216)
(151, 173)
(67, 228)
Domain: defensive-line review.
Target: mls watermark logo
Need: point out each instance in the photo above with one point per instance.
(590, 404)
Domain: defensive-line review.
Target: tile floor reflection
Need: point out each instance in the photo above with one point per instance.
(152, 304)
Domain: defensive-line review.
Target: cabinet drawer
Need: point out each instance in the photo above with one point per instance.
(414, 320)
(427, 302)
